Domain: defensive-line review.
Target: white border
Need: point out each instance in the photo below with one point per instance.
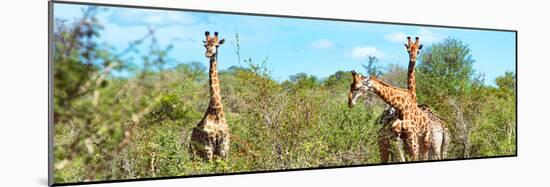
(23, 98)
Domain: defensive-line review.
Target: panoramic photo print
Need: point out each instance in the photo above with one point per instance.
(149, 93)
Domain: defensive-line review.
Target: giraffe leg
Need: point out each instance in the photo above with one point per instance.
(411, 140)
(400, 149)
(395, 151)
(412, 147)
(425, 146)
(383, 145)
(396, 146)
(223, 143)
(198, 144)
(209, 148)
(423, 151)
(436, 143)
(436, 154)
(445, 143)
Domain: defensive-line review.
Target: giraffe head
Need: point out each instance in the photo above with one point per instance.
(357, 88)
(211, 44)
(413, 48)
(425, 107)
(390, 114)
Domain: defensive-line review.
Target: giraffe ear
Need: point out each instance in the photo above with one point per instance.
(406, 46)
(221, 41)
(420, 46)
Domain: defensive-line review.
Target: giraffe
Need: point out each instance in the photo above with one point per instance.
(413, 49)
(415, 124)
(387, 135)
(440, 134)
(391, 123)
(211, 135)
(390, 144)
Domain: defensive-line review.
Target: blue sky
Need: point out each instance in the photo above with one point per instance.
(316, 47)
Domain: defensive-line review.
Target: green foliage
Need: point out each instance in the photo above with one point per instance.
(447, 81)
(446, 68)
(496, 133)
(301, 81)
(340, 78)
(371, 67)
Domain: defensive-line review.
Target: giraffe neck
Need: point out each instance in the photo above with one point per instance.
(215, 105)
(399, 99)
(411, 80)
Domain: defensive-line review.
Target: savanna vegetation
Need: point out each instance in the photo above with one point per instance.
(121, 117)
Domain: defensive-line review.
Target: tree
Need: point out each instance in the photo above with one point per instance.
(396, 76)
(447, 67)
(448, 82)
(338, 80)
(495, 132)
(99, 110)
(507, 85)
(371, 68)
(302, 81)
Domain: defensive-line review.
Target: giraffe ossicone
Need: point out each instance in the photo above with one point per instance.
(413, 49)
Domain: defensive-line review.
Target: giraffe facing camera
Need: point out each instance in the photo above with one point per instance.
(211, 136)
(211, 44)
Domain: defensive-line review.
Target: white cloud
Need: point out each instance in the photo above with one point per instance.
(396, 37)
(128, 17)
(362, 52)
(427, 36)
(321, 44)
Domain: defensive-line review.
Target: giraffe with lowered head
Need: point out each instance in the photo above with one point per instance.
(415, 123)
(211, 136)
(387, 134)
